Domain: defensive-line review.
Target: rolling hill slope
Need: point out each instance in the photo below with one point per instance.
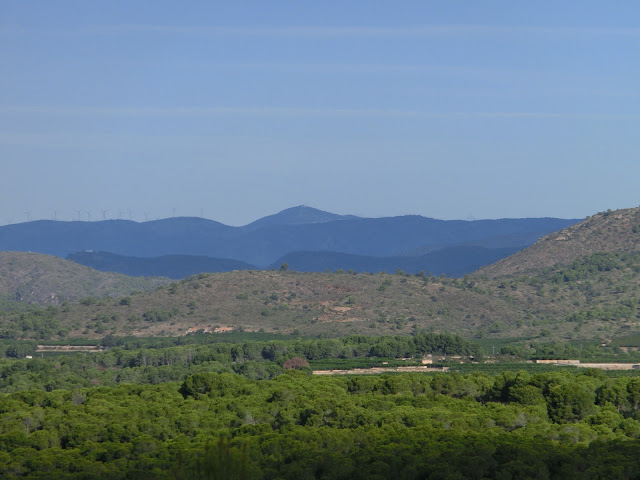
(594, 297)
(611, 231)
(45, 279)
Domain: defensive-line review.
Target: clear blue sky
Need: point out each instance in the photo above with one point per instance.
(237, 110)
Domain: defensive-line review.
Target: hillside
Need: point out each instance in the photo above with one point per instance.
(594, 297)
(45, 279)
(611, 231)
(310, 303)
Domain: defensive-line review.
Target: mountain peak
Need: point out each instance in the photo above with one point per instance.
(299, 215)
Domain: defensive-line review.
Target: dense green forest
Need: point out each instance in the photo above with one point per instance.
(297, 426)
(203, 407)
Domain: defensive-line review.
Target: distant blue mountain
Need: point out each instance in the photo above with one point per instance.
(172, 266)
(301, 215)
(266, 240)
(452, 261)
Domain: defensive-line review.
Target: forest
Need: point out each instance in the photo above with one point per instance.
(193, 407)
(296, 426)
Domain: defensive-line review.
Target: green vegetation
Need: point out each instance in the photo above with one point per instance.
(262, 356)
(33, 322)
(161, 403)
(220, 425)
(154, 361)
(588, 267)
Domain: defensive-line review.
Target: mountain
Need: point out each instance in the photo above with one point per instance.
(611, 231)
(591, 293)
(266, 240)
(171, 235)
(452, 261)
(172, 266)
(300, 215)
(45, 279)
(381, 237)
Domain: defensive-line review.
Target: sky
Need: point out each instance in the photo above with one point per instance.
(237, 110)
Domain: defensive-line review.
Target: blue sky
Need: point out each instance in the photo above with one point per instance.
(236, 110)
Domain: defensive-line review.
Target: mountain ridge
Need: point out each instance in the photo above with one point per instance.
(265, 243)
(453, 261)
(171, 266)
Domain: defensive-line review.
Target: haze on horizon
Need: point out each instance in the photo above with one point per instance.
(236, 111)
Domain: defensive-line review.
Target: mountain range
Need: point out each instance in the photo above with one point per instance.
(306, 238)
(578, 283)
